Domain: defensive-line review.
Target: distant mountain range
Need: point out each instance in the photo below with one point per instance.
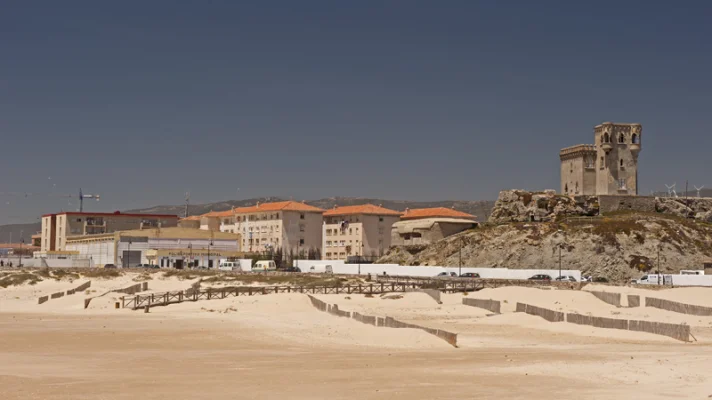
(479, 208)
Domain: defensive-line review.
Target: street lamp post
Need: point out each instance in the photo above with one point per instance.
(128, 256)
(210, 243)
(560, 246)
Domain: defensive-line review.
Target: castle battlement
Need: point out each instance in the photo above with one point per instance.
(580, 150)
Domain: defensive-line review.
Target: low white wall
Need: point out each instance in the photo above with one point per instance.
(692, 280)
(339, 267)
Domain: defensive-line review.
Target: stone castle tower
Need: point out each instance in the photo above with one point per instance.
(610, 166)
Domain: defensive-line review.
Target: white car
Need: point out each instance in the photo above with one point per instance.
(565, 278)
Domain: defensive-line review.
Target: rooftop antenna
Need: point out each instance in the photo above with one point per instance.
(698, 190)
(187, 203)
(86, 196)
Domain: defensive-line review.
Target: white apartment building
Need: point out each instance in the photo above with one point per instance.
(362, 231)
(289, 225)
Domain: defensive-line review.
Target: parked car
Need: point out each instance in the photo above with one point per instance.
(109, 266)
(264, 266)
(470, 275)
(600, 279)
(447, 274)
(564, 278)
(290, 269)
(586, 278)
(229, 266)
(540, 277)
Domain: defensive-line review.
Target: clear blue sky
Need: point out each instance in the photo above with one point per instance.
(143, 100)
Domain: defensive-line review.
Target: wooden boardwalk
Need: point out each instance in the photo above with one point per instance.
(436, 282)
(162, 299)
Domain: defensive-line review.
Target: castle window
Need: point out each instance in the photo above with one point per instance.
(635, 139)
(606, 138)
(621, 184)
(602, 163)
(621, 163)
(566, 188)
(621, 138)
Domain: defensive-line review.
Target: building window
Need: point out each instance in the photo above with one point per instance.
(301, 216)
(301, 242)
(328, 243)
(380, 219)
(622, 163)
(635, 139)
(301, 227)
(606, 138)
(621, 184)
(621, 138)
(350, 231)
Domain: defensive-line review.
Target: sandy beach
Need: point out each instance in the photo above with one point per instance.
(280, 346)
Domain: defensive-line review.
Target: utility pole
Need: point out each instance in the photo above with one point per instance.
(560, 246)
(461, 244)
(187, 202)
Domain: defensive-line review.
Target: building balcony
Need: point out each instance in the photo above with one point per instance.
(607, 147)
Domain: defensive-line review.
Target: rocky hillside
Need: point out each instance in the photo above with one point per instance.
(618, 247)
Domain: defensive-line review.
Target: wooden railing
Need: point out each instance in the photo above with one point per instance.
(163, 299)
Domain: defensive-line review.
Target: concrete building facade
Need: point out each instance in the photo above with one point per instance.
(289, 225)
(427, 225)
(169, 247)
(608, 167)
(361, 231)
(57, 227)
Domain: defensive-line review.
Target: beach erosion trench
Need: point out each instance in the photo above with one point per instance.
(679, 332)
(385, 322)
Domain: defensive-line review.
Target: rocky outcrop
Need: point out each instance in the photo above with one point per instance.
(619, 248)
(523, 206)
(697, 208)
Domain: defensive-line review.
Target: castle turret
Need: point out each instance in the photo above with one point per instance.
(618, 146)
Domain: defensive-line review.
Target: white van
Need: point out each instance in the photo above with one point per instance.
(229, 266)
(264, 266)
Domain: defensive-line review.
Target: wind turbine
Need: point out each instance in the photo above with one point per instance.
(698, 190)
(671, 190)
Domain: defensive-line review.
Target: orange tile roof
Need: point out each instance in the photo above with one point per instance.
(192, 218)
(368, 209)
(276, 206)
(437, 212)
